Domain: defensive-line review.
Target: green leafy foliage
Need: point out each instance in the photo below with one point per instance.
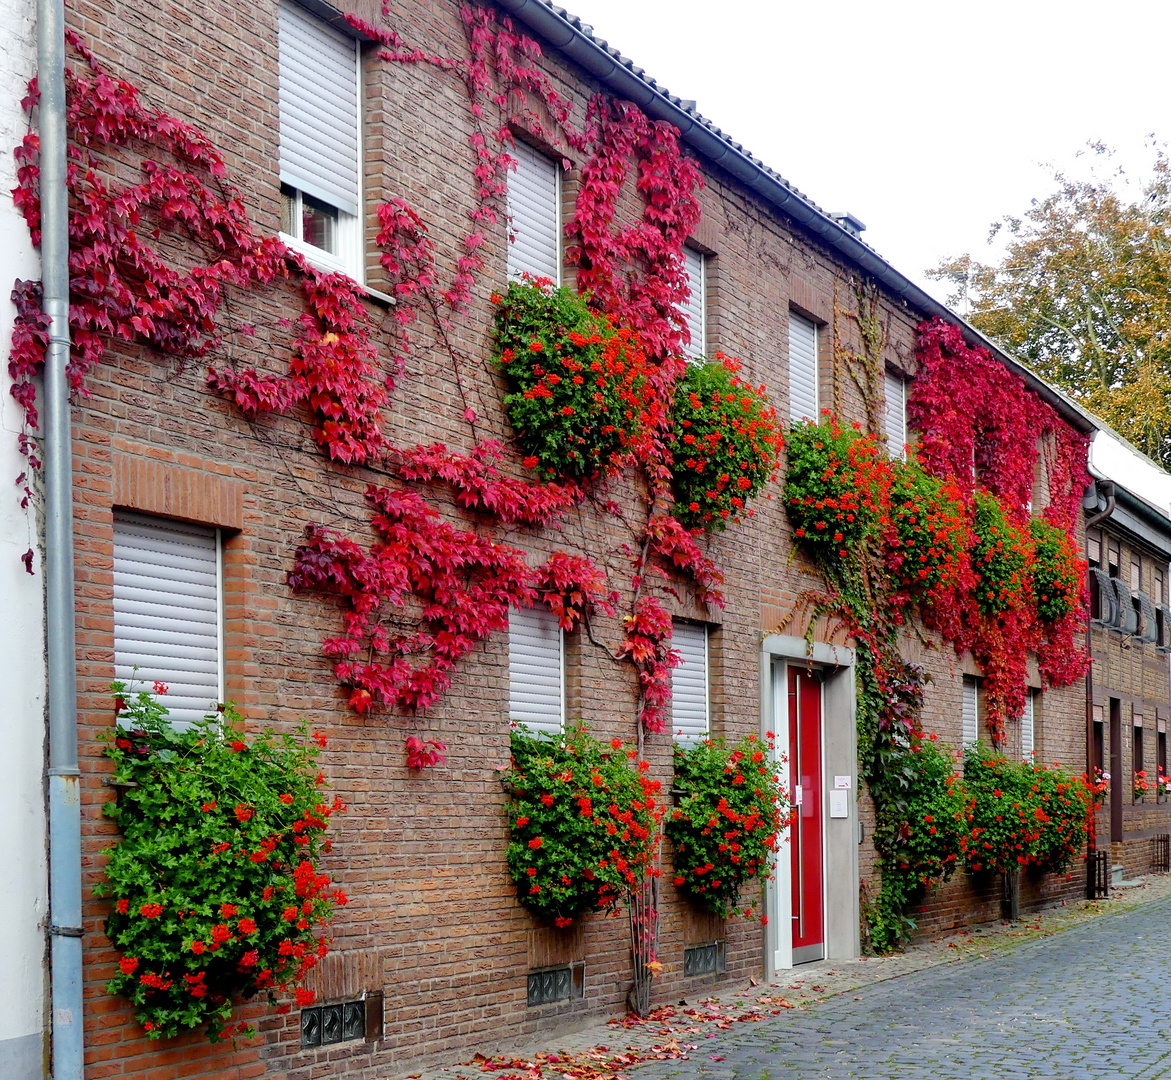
(577, 385)
(584, 823)
(927, 534)
(215, 884)
(917, 835)
(731, 809)
(1001, 555)
(724, 441)
(1020, 814)
(1058, 571)
(830, 488)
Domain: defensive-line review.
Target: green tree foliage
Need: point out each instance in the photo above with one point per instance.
(1083, 296)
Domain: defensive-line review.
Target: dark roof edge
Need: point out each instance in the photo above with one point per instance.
(584, 50)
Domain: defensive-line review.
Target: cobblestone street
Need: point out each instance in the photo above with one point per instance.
(1087, 1003)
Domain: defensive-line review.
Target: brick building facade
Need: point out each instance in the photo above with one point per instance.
(1128, 547)
(433, 943)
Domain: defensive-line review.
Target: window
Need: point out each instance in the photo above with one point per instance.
(695, 266)
(895, 419)
(320, 156)
(1136, 574)
(1094, 548)
(1158, 586)
(1137, 748)
(970, 712)
(536, 670)
(1161, 747)
(1113, 556)
(1099, 748)
(1029, 726)
(534, 213)
(689, 683)
(168, 585)
(802, 368)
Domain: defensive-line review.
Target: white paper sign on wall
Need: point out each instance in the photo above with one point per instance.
(839, 806)
(842, 783)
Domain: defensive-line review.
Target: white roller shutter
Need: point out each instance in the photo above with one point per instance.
(689, 683)
(695, 265)
(970, 713)
(896, 416)
(1028, 719)
(534, 213)
(536, 671)
(167, 588)
(802, 368)
(318, 108)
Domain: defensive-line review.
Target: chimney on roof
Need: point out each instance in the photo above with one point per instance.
(850, 223)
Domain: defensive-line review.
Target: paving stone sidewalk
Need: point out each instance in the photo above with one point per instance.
(1088, 1003)
(1072, 992)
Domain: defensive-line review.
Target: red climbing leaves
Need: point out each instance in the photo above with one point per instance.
(463, 583)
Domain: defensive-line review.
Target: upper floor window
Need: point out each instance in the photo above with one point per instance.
(1113, 556)
(802, 368)
(534, 214)
(689, 683)
(320, 148)
(1029, 726)
(895, 417)
(536, 670)
(1093, 547)
(970, 712)
(168, 628)
(695, 266)
(1136, 574)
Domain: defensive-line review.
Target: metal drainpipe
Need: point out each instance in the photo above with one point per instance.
(1096, 519)
(65, 925)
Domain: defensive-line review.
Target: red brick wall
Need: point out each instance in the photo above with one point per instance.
(433, 923)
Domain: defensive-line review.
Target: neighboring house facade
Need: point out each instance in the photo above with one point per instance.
(23, 975)
(189, 515)
(1128, 549)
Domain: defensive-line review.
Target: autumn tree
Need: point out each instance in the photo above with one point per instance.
(1083, 296)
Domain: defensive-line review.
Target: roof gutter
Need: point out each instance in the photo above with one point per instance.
(579, 47)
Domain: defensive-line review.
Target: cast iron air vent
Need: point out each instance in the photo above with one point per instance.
(1127, 615)
(1150, 628)
(1107, 601)
(704, 959)
(323, 1025)
(556, 984)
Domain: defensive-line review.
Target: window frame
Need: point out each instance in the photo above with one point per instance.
(350, 257)
(562, 704)
(687, 741)
(966, 682)
(796, 319)
(1029, 723)
(559, 255)
(696, 353)
(892, 377)
(221, 675)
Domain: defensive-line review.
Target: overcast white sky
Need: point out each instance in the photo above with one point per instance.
(927, 119)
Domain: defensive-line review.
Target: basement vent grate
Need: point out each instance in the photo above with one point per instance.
(323, 1025)
(556, 984)
(704, 959)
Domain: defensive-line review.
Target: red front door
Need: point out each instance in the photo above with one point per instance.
(805, 834)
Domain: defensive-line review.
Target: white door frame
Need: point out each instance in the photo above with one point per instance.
(839, 757)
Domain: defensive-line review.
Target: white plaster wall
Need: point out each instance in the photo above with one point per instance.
(23, 976)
